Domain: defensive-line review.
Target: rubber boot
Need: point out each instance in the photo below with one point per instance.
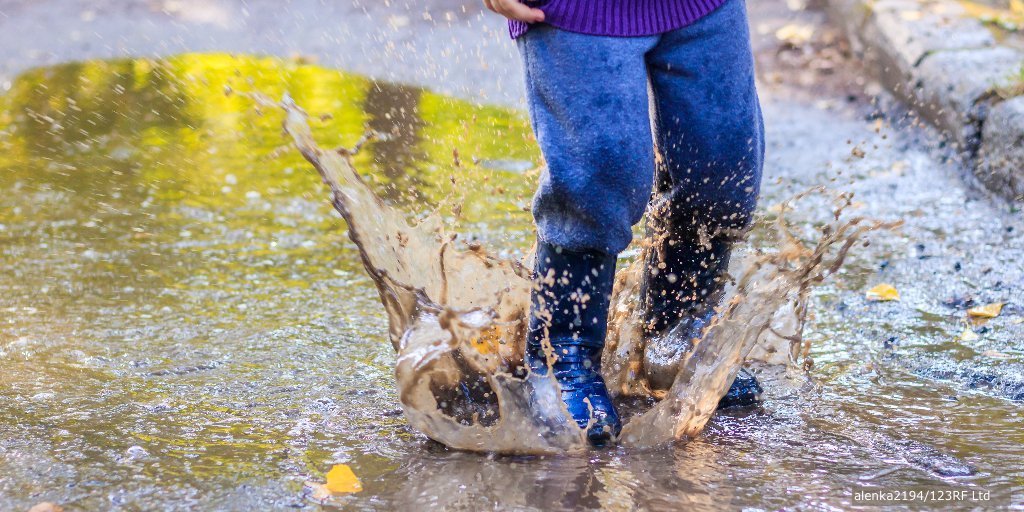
(684, 280)
(683, 286)
(745, 390)
(569, 320)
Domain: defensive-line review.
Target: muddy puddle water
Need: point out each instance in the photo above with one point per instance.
(186, 324)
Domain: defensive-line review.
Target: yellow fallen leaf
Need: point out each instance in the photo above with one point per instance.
(882, 292)
(341, 480)
(487, 342)
(969, 335)
(795, 34)
(986, 311)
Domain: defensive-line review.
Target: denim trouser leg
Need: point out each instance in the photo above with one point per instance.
(589, 105)
(708, 127)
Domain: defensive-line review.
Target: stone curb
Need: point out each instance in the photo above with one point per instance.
(949, 68)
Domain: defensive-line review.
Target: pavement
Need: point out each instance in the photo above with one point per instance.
(962, 75)
(449, 46)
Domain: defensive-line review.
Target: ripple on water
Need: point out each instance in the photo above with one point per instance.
(148, 369)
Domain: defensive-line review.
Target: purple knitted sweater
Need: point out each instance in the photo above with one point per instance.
(619, 17)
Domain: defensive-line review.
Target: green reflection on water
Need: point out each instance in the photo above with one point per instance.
(169, 124)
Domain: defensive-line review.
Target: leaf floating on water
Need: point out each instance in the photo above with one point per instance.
(882, 293)
(341, 480)
(969, 335)
(986, 311)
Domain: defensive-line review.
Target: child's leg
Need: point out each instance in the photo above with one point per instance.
(588, 102)
(589, 106)
(709, 133)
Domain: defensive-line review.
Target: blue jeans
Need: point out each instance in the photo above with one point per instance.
(593, 103)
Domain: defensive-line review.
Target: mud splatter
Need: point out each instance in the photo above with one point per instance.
(457, 320)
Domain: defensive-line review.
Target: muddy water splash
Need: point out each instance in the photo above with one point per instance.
(457, 319)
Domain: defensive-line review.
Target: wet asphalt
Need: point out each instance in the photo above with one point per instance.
(826, 125)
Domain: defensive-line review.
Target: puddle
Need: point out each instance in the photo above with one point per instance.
(185, 324)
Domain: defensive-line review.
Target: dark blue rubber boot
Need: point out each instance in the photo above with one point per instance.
(684, 283)
(569, 309)
(745, 390)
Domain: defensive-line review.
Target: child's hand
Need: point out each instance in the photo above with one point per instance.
(515, 10)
